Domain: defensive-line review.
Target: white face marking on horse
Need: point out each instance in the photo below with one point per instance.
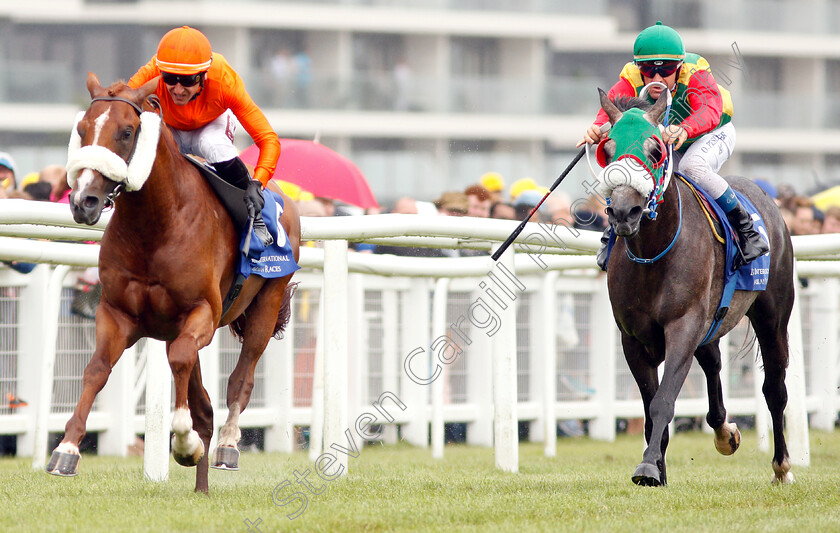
(100, 122)
(84, 180)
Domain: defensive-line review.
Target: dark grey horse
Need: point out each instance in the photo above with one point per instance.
(665, 308)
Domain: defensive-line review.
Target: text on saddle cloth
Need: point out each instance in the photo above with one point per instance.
(276, 260)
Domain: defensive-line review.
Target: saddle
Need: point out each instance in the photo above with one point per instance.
(273, 261)
(711, 215)
(751, 277)
(233, 198)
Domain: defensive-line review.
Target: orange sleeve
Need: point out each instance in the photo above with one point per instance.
(146, 72)
(257, 126)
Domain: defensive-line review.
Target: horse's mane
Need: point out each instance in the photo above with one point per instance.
(117, 87)
(623, 103)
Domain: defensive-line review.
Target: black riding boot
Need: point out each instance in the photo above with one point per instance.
(601, 257)
(236, 173)
(750, 243)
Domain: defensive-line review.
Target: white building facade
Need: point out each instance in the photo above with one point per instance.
(426, 95)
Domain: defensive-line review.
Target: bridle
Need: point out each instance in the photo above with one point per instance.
(111, 197)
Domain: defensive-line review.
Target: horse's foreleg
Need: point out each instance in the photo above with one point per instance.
(201, 409)
(187, 447)
(727, 436)
(680, 340)
(111, 341)
(647, 379)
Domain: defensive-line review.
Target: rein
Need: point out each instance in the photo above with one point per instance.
(671, 245)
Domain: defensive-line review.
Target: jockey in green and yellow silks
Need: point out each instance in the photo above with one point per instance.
(699, 104)
(699, 124)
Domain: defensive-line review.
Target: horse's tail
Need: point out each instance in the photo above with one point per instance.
(237, 327)
(285, 311)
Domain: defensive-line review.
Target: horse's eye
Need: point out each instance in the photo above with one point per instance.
(127, 133)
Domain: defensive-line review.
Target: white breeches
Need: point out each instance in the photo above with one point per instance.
(213, 142)
(703, 159)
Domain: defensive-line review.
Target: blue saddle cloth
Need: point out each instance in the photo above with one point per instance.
(750, 277)
(276, 260)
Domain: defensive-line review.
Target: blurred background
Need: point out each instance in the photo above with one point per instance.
(428, 95)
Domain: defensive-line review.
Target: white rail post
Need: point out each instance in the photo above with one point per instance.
(51, 308)
(479, 375)
(416, 329)
(603, 364)
(118, 399)
(825, 322)
(279, 372)
(505, 421)
(335, 350)
(158, 412)
(548, 351)
(357, 355)
(316, 428)
(30, 363)
(439, 384)
(390, 355)
(796, 415)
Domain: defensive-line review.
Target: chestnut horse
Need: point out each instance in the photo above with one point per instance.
(665, 280)
(167, 260)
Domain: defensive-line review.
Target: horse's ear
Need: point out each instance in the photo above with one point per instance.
(654, 114)
(93, 85)
(606, 104)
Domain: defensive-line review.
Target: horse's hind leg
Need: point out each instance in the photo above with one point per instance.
(262, 315)
(111, 341)
(770, 327)
(727, 436)
(201, 410)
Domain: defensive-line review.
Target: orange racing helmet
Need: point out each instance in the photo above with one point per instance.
(184, 50)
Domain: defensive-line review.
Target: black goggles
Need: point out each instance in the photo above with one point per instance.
(650, 69)
(186, 80)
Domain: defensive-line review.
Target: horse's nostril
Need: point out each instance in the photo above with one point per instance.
(90, 202)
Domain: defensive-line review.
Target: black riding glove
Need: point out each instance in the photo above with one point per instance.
(254, 195)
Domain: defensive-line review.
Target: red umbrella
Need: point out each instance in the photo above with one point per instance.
(319, 170)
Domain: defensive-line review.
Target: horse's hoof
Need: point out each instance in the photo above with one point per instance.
(63, 464)
(783, 479)
(646, 475)
(728, 440)
(226, 458)
(189, 460)
(781, 473)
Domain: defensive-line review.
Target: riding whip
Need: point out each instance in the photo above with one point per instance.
(498, 253)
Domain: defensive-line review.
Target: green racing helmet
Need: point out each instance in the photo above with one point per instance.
(658, 43)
